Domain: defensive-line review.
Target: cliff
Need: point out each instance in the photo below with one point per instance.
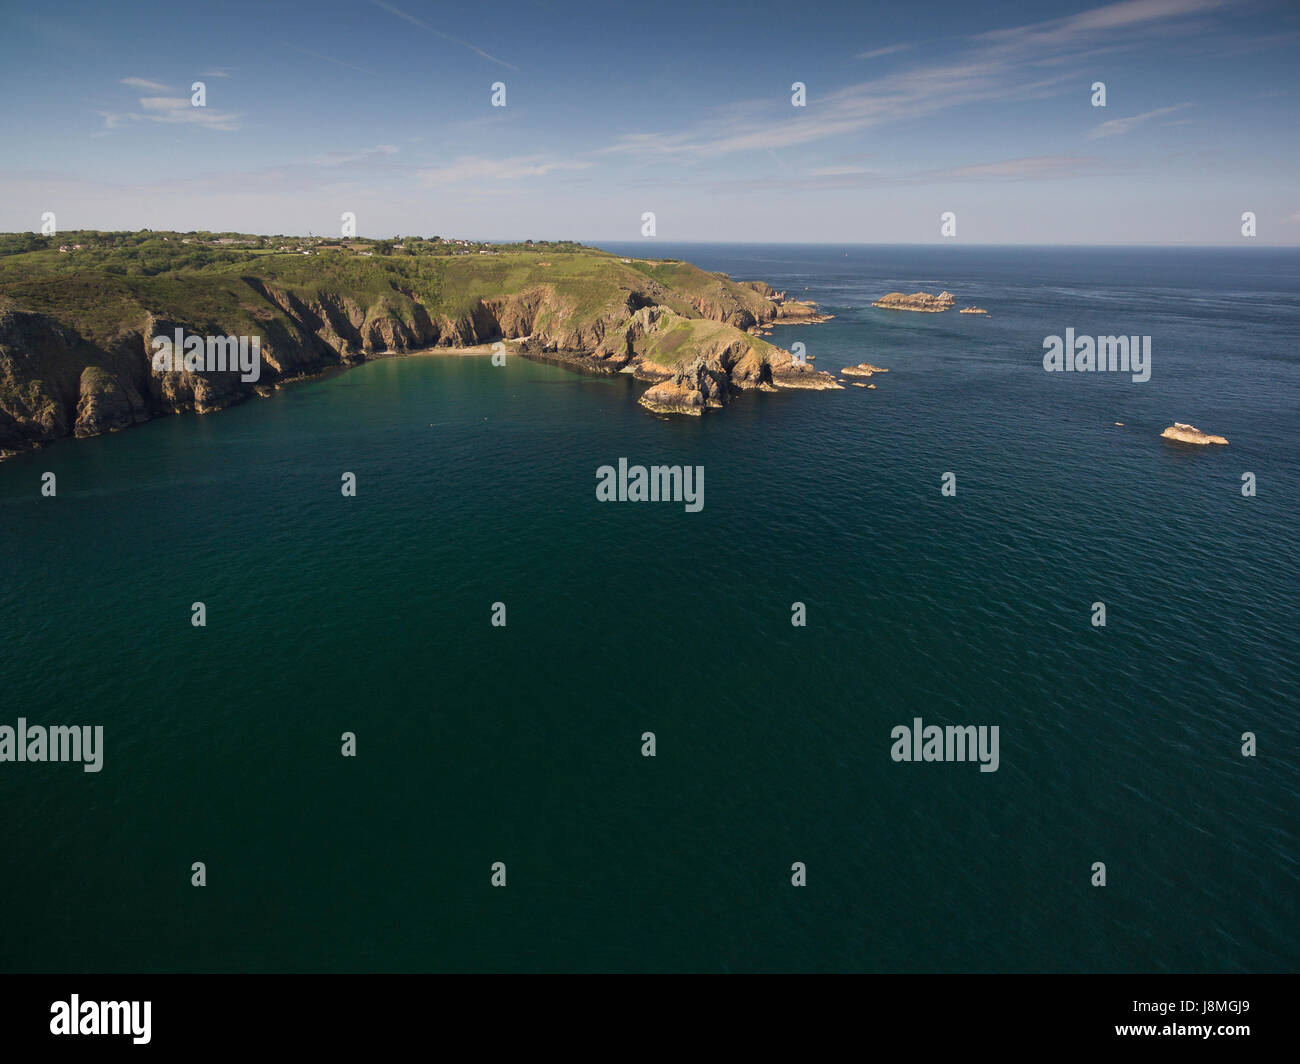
(76, 355)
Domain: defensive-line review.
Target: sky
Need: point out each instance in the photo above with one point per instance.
(384, 109)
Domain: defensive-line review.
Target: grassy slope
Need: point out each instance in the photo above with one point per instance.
(102, 305)
(75, 366)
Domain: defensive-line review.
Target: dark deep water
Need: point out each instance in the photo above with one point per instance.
(522, 744)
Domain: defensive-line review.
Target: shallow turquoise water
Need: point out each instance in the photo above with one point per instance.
(522, 744)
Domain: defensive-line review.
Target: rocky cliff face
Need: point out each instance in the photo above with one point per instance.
(690, 390)
(696, 347)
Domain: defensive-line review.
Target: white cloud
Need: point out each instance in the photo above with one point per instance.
(144, 83)
(173, 110)
(1127, 16)
(1014, 64)
(1117, 126)
(901, 97)
(483, 168)
(880, 53)
(177, 110)
(114, 119)
(339, 158)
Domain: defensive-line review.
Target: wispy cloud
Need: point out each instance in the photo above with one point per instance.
(146, 84)
(341, 158)
(1117, 126)
(331, 59)
(1127, 16)
(842, 178)
(486, 168)
(880, 53)
(445, 36)
(116, 119)
(1031, 168)
(906, 96)
(171, 110)
(1030, 61)
(177, 110)
(843, 171)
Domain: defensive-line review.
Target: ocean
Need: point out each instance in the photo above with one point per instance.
(522, 744)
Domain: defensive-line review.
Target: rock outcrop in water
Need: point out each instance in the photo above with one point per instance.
(1184, 433)
(690, 390)
(921, 302)
(863, 369)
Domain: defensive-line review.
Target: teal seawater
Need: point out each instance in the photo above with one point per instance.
(522, 744)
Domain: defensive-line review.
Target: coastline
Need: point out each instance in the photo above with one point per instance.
(672, 391)
(74, 363)
(474, 350)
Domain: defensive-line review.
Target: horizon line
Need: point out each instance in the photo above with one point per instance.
(596, 242)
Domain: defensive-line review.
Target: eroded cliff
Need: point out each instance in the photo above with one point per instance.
(77, 355)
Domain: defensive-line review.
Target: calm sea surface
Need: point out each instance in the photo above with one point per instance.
(522, 744)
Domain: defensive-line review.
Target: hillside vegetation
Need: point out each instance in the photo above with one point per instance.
(76, 323)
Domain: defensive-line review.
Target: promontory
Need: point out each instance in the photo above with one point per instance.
(81, 314)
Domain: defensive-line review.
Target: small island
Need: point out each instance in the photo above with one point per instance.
(921, 302)
(973, 310)
(1184, 433)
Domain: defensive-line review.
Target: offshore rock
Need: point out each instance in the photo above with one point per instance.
(922, 302)
(1184, 433)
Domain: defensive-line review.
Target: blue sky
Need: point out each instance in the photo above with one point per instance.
(383, 108)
